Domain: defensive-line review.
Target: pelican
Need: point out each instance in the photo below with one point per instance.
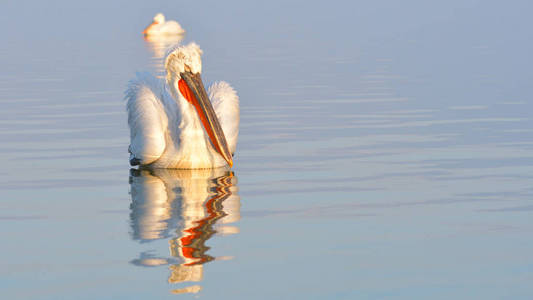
(172, 122)
(161, 27)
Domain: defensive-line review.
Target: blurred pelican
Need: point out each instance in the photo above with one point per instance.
(173, 124)
(161, 27)
(186, 207)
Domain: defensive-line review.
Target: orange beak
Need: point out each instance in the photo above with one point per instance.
(192, 88)
(145, 31)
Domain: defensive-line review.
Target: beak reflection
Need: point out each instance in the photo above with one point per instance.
(186, 207)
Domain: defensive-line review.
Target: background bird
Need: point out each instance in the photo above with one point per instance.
(174, 124)
(161, 27)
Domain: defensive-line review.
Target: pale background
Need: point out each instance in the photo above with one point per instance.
(386, 149)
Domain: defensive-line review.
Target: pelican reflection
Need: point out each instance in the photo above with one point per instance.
(186, 207)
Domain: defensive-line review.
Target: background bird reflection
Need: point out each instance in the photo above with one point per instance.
(186, 207)
(158, 46)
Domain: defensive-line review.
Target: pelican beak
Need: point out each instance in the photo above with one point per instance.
(145, 31)
(193, 89)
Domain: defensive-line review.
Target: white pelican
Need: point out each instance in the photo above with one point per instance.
(173, 124)
(161, 27)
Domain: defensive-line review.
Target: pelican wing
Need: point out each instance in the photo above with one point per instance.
(226, 105)
(146, 118)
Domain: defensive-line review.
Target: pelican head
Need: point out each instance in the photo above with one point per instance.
(159, 18)
(183, 58)
(184, 66)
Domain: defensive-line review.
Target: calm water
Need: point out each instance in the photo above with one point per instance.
(386, 152)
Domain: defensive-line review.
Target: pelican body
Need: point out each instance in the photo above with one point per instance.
(174, 124)
(160, 26)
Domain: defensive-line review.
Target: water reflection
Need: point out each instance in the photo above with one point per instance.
(186, 207)
(158, 46)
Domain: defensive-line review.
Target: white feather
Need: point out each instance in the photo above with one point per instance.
(146, 118)
(226, 104)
